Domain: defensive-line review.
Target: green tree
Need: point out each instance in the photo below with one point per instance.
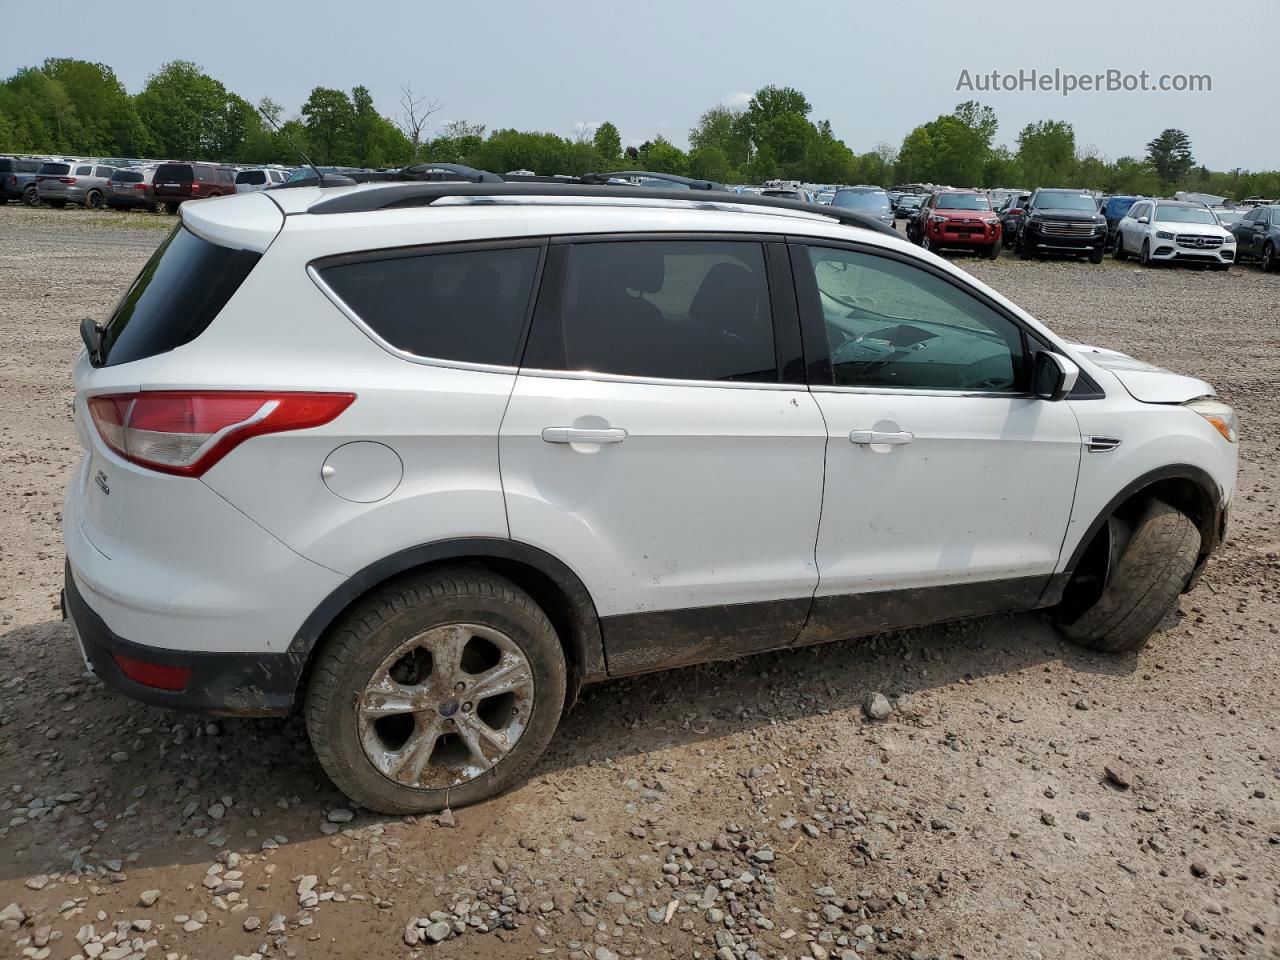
(608, 144)
(709, 163)
(185, 111)
(107, 119)
(725, 129)
(1047, 152)
(1170, 155)
(329, 119)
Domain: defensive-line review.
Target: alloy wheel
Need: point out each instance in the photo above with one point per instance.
(446, 706)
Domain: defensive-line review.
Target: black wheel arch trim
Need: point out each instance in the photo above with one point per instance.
(586, 646)
(1210, 524)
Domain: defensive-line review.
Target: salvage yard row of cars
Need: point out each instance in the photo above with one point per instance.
(126, 184)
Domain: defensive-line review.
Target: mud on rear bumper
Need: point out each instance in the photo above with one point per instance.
(221, 684)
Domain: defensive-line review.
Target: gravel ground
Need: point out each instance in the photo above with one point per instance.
(1021, 799)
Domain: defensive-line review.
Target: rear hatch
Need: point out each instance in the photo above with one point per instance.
(173, 180)
(53, 179)
(178, 294)
(127, 184)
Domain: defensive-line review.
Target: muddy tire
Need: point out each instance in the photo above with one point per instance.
(399, 705)
(1149, 574)
(31, 196)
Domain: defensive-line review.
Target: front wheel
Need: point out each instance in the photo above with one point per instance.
(1144, 582)
(993, 251)
(440, 690)
(1096, 255)
(1145, 257)
(1268, 258)
(1023, 252)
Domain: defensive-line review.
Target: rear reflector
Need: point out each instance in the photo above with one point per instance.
(153, 674)
(187, 432)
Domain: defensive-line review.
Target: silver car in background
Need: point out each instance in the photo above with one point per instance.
(130, 189)
(59, 182)
(251, 181)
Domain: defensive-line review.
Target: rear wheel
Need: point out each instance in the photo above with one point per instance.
(1151, 562)
(93, 200)
(440, 690)
(30, 196)
(171, 208)
(1023, 252)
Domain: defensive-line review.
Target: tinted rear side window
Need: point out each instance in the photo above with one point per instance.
(674, 309)
(184, 285)
(173, 173)
(467, 306)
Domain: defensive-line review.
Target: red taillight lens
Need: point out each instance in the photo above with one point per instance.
(67, 179)
(153, 674)
(187, 432)
(195, 187)
(139, 186)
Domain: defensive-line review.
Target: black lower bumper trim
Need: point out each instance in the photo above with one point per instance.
(222, 684)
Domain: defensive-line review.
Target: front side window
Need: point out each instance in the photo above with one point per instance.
(468, 306)
(105, 172)
(673, 309)
(891, 324)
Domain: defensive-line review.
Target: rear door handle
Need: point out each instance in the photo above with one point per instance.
(581, 435)
(865, 437)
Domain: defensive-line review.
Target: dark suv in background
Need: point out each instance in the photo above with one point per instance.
(1065, 222)
(1113, 210)
(175, 182)
(18, 179)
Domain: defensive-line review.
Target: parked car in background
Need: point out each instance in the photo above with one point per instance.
(1063, 222)
(908, 205)
(799, 194)
(18, 179)
(1114, 209)
(1011, 214)
(130, 189)
(1164, 231)
(1257, 236)
(957, 220)
(175, 183)
(426, 536)
(250, 181)
(1228, 216)
(864, 199)
(61, 182)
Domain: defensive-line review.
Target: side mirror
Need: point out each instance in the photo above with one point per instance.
(1053, 377)
(1144, 219)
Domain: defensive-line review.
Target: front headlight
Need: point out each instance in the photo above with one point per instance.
(1164, 234)
(1220, 415)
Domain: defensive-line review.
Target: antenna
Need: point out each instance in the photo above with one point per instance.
(305, 159)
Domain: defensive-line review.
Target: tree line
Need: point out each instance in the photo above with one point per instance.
(80, 108)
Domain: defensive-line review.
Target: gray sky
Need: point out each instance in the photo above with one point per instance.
(875, 70)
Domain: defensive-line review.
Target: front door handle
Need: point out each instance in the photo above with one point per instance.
(865, 437)
(581, 435)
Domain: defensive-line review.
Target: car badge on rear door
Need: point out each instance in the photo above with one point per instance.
(100, 479)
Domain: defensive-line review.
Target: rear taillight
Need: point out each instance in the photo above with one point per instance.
(13, 181)
(67, 179)
(195, 188)
(139, 186)
(187, 432)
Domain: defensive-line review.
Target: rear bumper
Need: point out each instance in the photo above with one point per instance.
(224, 684)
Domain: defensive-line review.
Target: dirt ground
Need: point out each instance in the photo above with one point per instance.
(730, 811)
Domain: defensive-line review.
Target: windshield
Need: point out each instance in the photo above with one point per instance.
(1168, 213)
(55, 169)
(963, 201)
(251, 177)
(1228, 216)
(1066, 201)
(872, 201)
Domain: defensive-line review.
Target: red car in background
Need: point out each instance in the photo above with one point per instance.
(957, 220)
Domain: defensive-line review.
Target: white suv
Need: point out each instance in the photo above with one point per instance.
(422, 458)
(1164, 231)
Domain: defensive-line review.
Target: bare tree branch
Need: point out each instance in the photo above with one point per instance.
(415, 111)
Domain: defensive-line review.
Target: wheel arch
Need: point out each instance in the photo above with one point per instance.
(552, 585)
(1189, 488)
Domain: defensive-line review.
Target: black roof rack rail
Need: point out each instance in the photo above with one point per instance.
(445, 171)
(400, 195)
(690, 182)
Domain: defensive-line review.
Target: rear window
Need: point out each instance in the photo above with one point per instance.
(184, 285)
(252, 177)
(173, 173)
(467, 306)
(872, 201)
(55, 169)
(127, 176)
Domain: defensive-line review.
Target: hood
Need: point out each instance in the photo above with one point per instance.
(1144, 381)
(1194, 229)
